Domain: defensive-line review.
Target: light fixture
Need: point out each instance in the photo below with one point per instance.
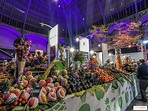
(110, 54)
(59, 6)
(99, 45)
(77, 39)
(72, 49)
(145, 41)
(55, 0)
(129, 46)
(91, 52)
(83, 18)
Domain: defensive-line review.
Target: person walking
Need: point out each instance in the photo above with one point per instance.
(142, 75)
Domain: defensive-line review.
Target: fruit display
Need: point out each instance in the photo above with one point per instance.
(118, 62)
(118, 59)
(40, 91)
(22, 48)
(33, 102)
(2, 76)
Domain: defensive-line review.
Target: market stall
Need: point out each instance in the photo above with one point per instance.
(84, 86)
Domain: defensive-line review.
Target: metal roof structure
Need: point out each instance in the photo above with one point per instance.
(73, 16)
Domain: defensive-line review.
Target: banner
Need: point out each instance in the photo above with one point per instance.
(53, 36)
(52, 44)
(84, 45)
(104, 52)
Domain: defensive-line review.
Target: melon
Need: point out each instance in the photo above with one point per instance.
(52, 96)
(28, 73)
(60, 87)
(33, 102)
(25, 83)
(43, 90)
(28, 89)
(49, 80)
(47, 88)
(54, 78)
(25, 95)
(51, 85)
(29, 77)
(42, 98)
(61, 93)
(54, 89)
(64, 72)
(64, 82)
(56, 72)
(32, 80)
(59, 78)
(42, 83)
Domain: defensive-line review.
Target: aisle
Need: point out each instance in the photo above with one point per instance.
(136, 102)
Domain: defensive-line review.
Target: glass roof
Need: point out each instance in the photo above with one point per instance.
(71, 15)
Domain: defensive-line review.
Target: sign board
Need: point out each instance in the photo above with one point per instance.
(52, 44)
(84, 45)
(53, 36)
(104, 52)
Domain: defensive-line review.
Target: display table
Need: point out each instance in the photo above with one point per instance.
(117, 96)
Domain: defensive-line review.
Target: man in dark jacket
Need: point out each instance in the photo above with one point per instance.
(142, 75)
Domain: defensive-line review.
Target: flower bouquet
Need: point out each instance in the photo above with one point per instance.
(22, 49)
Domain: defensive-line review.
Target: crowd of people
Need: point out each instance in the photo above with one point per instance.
(128, 65)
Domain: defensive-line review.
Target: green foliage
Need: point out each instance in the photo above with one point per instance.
(60, 65)
(79, 56)
(107, 101)
(120, 102)
(114, 86)
(83, 97)
(134, 93)
(107, 108)
(85, 107)
(126, 97)
(18, 108)
(7, 84)
(47, 73)
(99, 94)
(115, 108)
(122, 82)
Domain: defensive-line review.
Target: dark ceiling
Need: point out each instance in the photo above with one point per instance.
(73, 16)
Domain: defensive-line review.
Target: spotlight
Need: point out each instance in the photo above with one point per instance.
(110, 54)
(72, 49)
(77, 39)
(129, 46)
(91, 52)
(145, 41)
(55, 0)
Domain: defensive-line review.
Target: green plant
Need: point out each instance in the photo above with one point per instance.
(79, 56)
